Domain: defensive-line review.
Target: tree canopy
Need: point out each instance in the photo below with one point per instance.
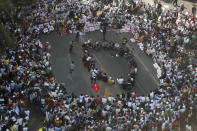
(6, 5)
(23, 2)
(6, 38)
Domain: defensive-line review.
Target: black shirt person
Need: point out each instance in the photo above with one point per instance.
(193, 10)
(175, 2)
(104, 32)
(77, 37)
(71, 47)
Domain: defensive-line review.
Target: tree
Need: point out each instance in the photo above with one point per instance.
(6, 5)
(6, 38)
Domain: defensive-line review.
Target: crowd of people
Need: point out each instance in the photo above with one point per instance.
(25, 72)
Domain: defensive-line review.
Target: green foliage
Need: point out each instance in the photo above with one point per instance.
(6, 38)
(6, 5)
(23, 2)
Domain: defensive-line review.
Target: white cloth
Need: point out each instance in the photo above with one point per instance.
(120, 81)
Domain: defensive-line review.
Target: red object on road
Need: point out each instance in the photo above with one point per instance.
(87, 64)
(95, 87)
(175, 124)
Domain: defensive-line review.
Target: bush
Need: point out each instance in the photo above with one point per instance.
(6, 5)
(6, 38)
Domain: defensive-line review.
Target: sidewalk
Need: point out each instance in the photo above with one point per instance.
(168, 5)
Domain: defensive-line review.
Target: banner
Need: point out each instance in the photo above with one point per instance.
(91, 28)
(158, 69)
(51, 28)
(41, 26)
(45, 30)
(46, 24)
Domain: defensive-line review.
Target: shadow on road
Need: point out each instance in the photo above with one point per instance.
(36, 117)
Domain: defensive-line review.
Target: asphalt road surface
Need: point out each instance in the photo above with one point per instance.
(79, 82)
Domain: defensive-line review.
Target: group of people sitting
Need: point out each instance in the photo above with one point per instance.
(118, 50)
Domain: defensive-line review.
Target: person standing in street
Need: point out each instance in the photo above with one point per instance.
(104, 32)
(155, 2)
(77, 36)
(175, 2)
(94, 73)
(72, 67)
(71, 47)
(194, 10)
(194, 13)
(182, 7)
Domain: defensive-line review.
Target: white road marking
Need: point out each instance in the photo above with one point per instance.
(98, 61)
(146, 68)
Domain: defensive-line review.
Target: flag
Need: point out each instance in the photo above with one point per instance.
(95, 87)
